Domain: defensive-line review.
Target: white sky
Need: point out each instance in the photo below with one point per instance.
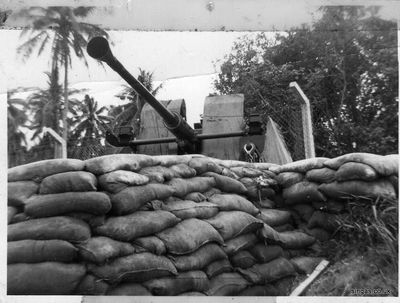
(182, 61)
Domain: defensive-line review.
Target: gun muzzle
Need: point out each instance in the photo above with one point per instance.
(98, 48)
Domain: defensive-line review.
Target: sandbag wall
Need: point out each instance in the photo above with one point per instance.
(141, 225)
(317, 191)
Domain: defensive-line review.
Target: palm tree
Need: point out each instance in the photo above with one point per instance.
(90, 125)
(46, 105)
(16, 117)
(130, 113)
(60, 28)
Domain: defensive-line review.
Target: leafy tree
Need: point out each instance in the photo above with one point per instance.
(16, 117)
(345, 62)
(61, 28)
(46, 105)
(91, 123)
(129, 114)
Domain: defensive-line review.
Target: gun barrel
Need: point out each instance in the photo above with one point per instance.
(98, 48)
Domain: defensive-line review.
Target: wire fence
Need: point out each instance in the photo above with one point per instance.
(49, 150)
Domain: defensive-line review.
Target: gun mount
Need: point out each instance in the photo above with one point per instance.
(189, 141)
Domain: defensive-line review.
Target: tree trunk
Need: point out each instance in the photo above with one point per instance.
(65, 112)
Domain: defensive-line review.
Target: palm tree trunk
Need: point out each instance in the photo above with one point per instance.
(65, 112)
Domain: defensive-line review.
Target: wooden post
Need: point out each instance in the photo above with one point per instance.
(59, 139)
(306, 119)
(306, 283)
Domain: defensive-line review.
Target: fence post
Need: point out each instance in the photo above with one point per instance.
(59, 139)
(306, 119)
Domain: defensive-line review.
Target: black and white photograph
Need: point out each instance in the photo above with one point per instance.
(199, 148)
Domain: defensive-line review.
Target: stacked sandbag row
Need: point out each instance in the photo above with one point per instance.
(140, 225)
(43, 239)
(318, 190)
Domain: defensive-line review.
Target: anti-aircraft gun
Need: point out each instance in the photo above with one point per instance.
(188, 140)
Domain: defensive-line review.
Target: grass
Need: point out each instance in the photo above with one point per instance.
(363, 252)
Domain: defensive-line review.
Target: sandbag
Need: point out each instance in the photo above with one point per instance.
(196, 197)
(198, 259)
(20, 191)
(305, 211)
(247, 172)
(227, 184)
(73, 181)
(231, 224)
(108, 163)
(330, 206)
(188, 235)
(228, 202)
(213, 191)
(195, 280)
(132, 198)
(11, 212)
(169, 160)
(139, 224)
(58, 204)
(118, 180)
(185, 209)
(91, 286)
(266, 203)
(287, 239)
(158, 173)
(36, 251)
(268, 272)
(218, 267)
(227, 284)
(242, 242)
(301, 166)
(243, 259)
(321, 175)
(19, 217)
(134, 268)
(228, 173)
(129, 289)
(274, 217)
(293, 253)
(319, 233)
(202, 165)
(101, 249)
(324, 220)
(284, 285)
(355, 171)
(91, 219)
(384, 165)
(151, 244)
(295, 239)
(302, 192)
(305, 265)
(36, 171)
(183, 171)
(182, 187)
(287, 179)
(61, 228)
(46, 278)
(260, 291)
(265, 253)
(284, 227)
(374, 189)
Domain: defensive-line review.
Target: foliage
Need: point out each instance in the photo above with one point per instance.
(91, 122)
(46, 105)
(347, 65)
(16, 117)
(129, 114)
(61, 28)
